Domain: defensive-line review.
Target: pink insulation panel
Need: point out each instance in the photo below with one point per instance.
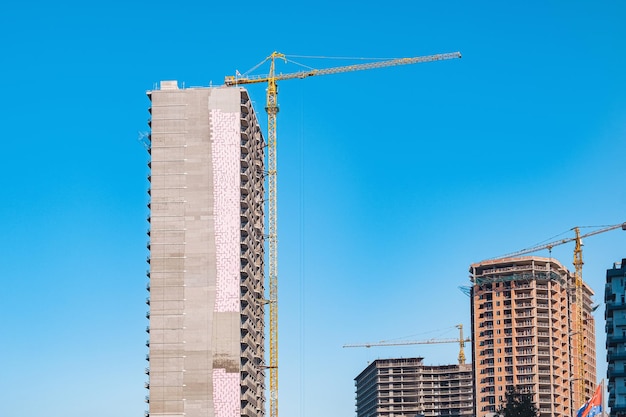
(225, 132)
(226, 391)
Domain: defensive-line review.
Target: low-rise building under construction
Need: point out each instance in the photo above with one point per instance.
(406, 388)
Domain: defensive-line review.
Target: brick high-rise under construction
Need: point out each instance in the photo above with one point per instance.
(206, 333)
(523, 335)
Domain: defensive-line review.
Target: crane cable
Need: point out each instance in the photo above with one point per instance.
(301, 266)
(247, 73)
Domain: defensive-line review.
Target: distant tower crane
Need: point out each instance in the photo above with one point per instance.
(578, 279)
(272, 110)
(461, 341)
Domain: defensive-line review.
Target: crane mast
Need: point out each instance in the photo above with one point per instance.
(461, 345)
(271, 108)
(580, 328)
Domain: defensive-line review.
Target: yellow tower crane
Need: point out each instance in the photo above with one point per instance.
(579, 328)
(272, 110)
(461, 341)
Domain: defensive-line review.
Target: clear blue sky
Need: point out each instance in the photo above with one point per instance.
(391, 181)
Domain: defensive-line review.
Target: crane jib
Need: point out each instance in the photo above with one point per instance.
(232, 80)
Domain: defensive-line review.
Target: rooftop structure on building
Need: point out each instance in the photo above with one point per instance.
(615, 315)
(522, 335)
(406, 388)
(206, 332)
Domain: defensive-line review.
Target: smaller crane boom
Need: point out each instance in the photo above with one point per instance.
(404, 342)
(461, 341)
(550, 245)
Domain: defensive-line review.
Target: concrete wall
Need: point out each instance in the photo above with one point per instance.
(196, 321)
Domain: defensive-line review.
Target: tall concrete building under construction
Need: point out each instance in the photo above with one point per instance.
(206, 254)
(523, 335)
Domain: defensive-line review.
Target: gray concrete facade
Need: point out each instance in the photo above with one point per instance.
(405, 387)
(206, 355)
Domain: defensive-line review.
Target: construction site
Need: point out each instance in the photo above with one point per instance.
(213, 282)
(329, 209)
